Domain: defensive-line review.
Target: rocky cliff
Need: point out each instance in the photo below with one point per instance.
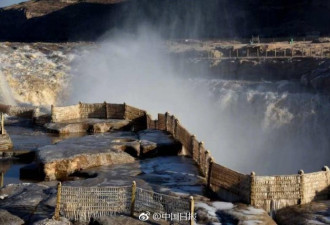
(53, 20)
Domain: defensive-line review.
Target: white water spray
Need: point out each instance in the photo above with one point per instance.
(6, 96)
(260, 126)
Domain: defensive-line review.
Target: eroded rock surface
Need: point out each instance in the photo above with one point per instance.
(66, 157)
(70, 155)
(7, 218)
(229, 213)
(307, 214)
(175, 175)
(31, 202)
(318, 78)
(87, 125)
(61, 221)
(155, 142)
(172, 175)
(125, 220)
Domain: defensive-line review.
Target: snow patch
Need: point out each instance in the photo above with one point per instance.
(252, 222)
(223, 205)
(2, 197)
(315, 222)
(252, 211)
(210, 210)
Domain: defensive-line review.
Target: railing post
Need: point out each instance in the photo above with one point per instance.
(156, 124)
(192, 140)
(52, 113)
(58, 201)
(252, 186)
(192, 210)
(2, 174)
(166, 120)
(106, 109)
(301, 187)
(275, 53)
(321, 52)
(199, 152)
(2, 124)
(80, 109)
(125, 110)
(176, 122)
(173, 125)
(236, 53)
(327, 171)
(209, 173)
(206, 165)
(133, 198)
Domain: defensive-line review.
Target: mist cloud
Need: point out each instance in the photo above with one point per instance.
(246, 125)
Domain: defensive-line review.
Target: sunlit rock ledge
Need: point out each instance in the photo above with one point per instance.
(87, 125)
(64, 158)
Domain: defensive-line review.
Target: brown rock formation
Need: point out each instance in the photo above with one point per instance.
(63, 20)
(312, 213)
(87, 125)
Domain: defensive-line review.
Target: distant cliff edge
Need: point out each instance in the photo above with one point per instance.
(73, 20)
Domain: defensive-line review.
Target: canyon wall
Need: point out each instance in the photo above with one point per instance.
(52, 20)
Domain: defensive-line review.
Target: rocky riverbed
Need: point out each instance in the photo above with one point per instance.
(115, 158)
(175, 175)
(40, 73)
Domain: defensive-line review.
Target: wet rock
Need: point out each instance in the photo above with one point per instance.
(64, 158)
(41, 116)
(119, 220)
(311, 213)
(321, 82)
(61, 221)
(60, 160)
(9, 219)
(174, 175)
(229, 213)
(87, 125)
(156, 142)
(31, 202)
(318, 78)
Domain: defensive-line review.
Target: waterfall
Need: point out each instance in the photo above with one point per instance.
(268, 127)
(6, 96)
